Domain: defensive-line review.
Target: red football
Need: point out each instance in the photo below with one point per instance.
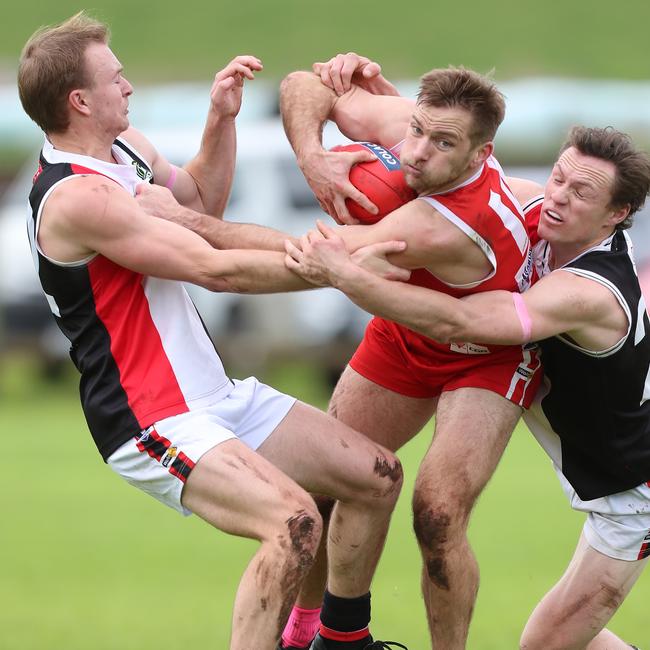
(381, 180)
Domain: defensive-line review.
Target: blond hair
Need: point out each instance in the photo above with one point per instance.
(52, 64)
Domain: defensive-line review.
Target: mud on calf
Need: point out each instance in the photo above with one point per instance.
(303, 533)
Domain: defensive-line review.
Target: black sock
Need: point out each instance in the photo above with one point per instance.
(346, 615)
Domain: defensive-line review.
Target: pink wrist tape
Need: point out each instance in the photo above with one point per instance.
(172, 177)
(523, 315)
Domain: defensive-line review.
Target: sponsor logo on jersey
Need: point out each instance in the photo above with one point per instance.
(469, 348)
(172, 452)
(523, 281)
(142, 171)
(526, 373)
(385, 157)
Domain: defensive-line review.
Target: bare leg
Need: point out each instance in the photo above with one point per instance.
(386, 417)
(473, 427)
(575, 611)
(327, 457)
(241, 493)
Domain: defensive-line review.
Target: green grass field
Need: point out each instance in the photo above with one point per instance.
(92, 564)
(192, 40)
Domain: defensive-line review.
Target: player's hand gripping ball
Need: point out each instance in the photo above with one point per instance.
(381, 180)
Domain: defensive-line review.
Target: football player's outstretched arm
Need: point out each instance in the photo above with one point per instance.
(204, 183)
(159, 202)
(561, 302)
(91, 214)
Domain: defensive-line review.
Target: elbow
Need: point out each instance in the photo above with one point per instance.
(218, 280)
(293, 79)
(224, 284)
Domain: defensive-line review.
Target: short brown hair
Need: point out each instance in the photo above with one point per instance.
(632, 179)
(467, 89)
(52, 64)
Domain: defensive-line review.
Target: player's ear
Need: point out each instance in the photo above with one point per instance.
(77, 101)
(619, 214)
(482, 153)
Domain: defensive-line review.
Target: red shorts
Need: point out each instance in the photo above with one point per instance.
(407, 363)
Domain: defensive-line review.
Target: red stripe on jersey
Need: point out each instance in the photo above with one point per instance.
(80, 169)
(146, 374)
(644, 551)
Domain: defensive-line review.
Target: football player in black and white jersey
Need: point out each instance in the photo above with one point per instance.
(592, 414)
(162, 411)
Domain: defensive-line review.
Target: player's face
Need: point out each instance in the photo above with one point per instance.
(576, 213)
(437, 153)
(108, 93)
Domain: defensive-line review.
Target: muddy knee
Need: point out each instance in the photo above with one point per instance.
(301, 536)
(432, 523)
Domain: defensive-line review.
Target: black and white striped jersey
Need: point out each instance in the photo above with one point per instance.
(592, 415)
(138, 341)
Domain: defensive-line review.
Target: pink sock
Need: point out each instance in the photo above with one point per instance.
(301, 627)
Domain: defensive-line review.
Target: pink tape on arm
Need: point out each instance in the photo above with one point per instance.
(523, 315)
(172, 177)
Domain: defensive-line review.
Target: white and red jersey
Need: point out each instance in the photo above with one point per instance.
(139, 343)
(409, 363)
(485, 209)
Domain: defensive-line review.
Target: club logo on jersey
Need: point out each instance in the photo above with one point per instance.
(172, 452)
(385, 157)
(142, 172)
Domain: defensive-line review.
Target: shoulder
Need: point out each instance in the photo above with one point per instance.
(577, 292)
(524, 190)
(141, 145)
(83, 196)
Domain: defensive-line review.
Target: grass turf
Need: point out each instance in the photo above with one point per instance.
(195, 39)
(89, 562)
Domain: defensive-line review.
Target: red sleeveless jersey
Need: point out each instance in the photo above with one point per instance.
(484, 208)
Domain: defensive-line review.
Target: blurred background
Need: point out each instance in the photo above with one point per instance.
(82, 545)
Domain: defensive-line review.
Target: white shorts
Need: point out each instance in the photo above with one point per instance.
(617, 525)
(159, 459)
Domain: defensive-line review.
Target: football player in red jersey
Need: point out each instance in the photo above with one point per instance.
(465, 233)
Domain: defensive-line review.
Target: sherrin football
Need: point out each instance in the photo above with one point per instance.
(381, 180)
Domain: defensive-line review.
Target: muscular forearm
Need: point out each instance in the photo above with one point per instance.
(305, 104)
(251, 271)
(226, 234)
(213, 167)
(482, 318)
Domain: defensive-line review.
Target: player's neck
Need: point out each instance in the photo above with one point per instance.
(563, 253)
(85, 144)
